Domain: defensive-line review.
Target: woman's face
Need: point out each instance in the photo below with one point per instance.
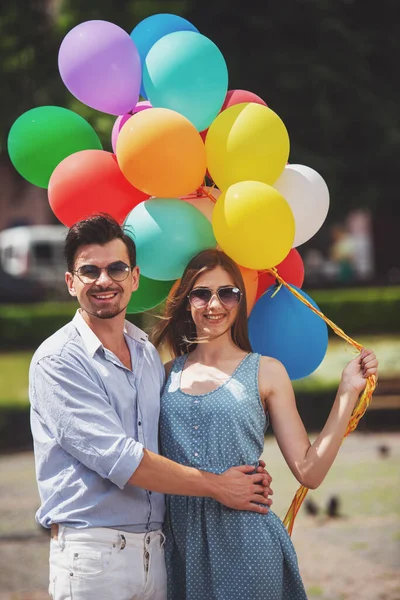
(215, 318)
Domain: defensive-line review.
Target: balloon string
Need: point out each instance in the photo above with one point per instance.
(359, 411)
(201, 192)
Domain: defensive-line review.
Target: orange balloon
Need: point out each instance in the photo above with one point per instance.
(250, 279)
(161, 153)
(203, 202)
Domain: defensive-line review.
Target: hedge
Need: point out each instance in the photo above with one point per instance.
(27, 326)
(361, 310)
(356, 311)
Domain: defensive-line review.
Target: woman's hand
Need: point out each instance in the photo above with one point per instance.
(355, 374)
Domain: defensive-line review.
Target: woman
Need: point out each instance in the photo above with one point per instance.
(218, 400)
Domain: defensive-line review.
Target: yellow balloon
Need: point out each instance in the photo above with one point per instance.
(246, 142)
(254, 224)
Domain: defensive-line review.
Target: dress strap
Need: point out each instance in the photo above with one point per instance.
(178, 363)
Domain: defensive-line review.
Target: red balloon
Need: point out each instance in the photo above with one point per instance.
(239, 96)
(291, 269)
(89, 182)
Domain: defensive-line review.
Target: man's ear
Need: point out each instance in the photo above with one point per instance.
(69, 280)
(135, 278)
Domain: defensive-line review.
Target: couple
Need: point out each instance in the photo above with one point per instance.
(95, 388)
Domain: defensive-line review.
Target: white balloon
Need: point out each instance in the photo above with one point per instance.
(308, 196)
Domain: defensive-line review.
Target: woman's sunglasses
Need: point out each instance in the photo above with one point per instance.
(228, 295)
(117, 271)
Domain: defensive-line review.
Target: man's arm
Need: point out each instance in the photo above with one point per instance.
(239, 487)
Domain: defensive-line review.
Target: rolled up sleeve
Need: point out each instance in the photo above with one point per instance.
(76, 411)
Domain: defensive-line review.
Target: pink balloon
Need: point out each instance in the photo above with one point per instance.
(239, 96)
(203, 202)
(122, 119)
(236, 97)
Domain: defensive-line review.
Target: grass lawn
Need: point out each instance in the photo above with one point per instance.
(14, 367)
(387, 349)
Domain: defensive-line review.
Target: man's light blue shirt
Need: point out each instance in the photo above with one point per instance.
(91, 417)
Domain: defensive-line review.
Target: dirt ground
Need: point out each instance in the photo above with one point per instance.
(355, 555)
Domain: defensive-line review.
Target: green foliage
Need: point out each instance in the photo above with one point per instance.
(28, 61)
(328, 68)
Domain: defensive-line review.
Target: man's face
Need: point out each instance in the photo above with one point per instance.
(104, 297)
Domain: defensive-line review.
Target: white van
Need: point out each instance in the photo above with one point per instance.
(36, 252)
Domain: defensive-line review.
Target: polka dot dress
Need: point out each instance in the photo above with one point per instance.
(213, 552)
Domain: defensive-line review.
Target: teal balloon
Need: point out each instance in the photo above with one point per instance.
(149, 294)
(186, 72)
(42, 137)
(167, 232)
(152, 28)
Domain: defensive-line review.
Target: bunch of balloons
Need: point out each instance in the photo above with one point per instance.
(177, 128)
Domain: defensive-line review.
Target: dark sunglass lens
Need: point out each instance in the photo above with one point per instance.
(229, 296)
(118, 271)
(200, 296)
(89, 272)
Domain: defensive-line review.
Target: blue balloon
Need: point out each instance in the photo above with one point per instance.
(283, 327)
(167, 232)
(150, 30)
(186, 72)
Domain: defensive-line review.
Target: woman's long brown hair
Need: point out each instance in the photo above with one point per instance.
(176, 331)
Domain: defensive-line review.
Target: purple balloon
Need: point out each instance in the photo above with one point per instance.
(100, 65)
(122, 119)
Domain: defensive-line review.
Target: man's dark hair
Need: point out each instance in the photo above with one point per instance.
(96, 229)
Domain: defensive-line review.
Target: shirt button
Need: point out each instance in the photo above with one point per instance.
(195, 426)
(139, 423)
(147, 540)
(196, 401)
(196, 453)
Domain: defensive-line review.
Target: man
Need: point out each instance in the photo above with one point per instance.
(95, 392)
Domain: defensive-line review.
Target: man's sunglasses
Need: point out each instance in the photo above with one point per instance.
(117, 271)
(228, 295)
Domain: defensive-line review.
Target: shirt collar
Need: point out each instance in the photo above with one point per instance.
(91, 340)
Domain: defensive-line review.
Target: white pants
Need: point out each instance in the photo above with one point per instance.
(103, 564)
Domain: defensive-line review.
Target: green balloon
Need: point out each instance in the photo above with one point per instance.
(42, 137)
(150, 293)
